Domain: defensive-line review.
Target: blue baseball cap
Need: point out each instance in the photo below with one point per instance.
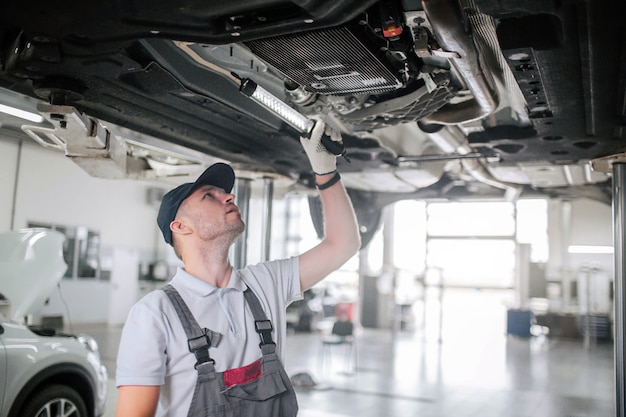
(219, 175)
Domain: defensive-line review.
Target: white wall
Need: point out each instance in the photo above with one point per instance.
(591, 225)
(50, 188)
(586, 223)
(8, 164)
(78, 301)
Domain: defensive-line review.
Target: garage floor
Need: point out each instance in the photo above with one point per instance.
(465, 367)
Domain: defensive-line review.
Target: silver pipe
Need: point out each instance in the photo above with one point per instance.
(242, 198)
(619, 234)
(16, 182)
(452, 139)
(446, 19)
(268, 196)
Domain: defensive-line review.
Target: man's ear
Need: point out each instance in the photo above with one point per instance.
(178, 226)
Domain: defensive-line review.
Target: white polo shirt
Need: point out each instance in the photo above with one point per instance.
(153, 348)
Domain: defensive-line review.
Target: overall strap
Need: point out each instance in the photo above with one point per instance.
(262, 324)
(198, 339)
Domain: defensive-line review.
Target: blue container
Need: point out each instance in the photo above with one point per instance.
(518, 322)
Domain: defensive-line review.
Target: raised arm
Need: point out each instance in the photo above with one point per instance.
(341, 233)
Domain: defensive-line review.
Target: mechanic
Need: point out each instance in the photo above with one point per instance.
(192, 348)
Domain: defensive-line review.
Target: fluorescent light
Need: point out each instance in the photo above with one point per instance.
(278, 107)
(22, 114)
(589, 249)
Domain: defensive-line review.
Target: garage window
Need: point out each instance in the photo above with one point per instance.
(81, 250)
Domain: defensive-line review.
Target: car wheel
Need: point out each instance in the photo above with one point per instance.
(55, 400)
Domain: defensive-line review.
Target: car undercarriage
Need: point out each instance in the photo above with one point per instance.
(438, 99)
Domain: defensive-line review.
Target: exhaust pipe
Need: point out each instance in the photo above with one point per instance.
(446, 19)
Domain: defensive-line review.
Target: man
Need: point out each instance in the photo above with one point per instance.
(193, 349)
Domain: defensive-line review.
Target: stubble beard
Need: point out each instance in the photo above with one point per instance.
(233, 230)
(237, 229)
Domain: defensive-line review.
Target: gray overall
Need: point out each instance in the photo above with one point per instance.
(260, 389)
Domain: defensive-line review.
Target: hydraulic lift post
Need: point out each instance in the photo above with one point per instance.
(619, 234)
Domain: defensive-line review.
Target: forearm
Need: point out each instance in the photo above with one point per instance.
(341, 235)
(340, 224)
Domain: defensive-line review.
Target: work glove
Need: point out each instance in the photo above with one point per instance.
(322, 161)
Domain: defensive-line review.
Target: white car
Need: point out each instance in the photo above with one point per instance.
(42, 372)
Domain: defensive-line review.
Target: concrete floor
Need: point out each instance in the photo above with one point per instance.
(466, 367)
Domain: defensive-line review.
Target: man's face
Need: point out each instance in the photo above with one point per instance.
(212, 213)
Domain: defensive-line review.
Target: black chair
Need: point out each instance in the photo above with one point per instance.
(342, 334)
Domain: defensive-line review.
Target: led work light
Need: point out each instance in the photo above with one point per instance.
(278, 107)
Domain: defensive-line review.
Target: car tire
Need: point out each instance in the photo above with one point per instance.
(54, 400)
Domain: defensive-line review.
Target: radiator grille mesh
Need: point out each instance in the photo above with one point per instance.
(329, 61)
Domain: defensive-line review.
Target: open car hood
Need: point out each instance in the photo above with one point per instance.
(438, 99)
(31, 265)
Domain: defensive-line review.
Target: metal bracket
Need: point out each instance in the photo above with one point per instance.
(83, 139)
(605, 163)
(101, 151)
